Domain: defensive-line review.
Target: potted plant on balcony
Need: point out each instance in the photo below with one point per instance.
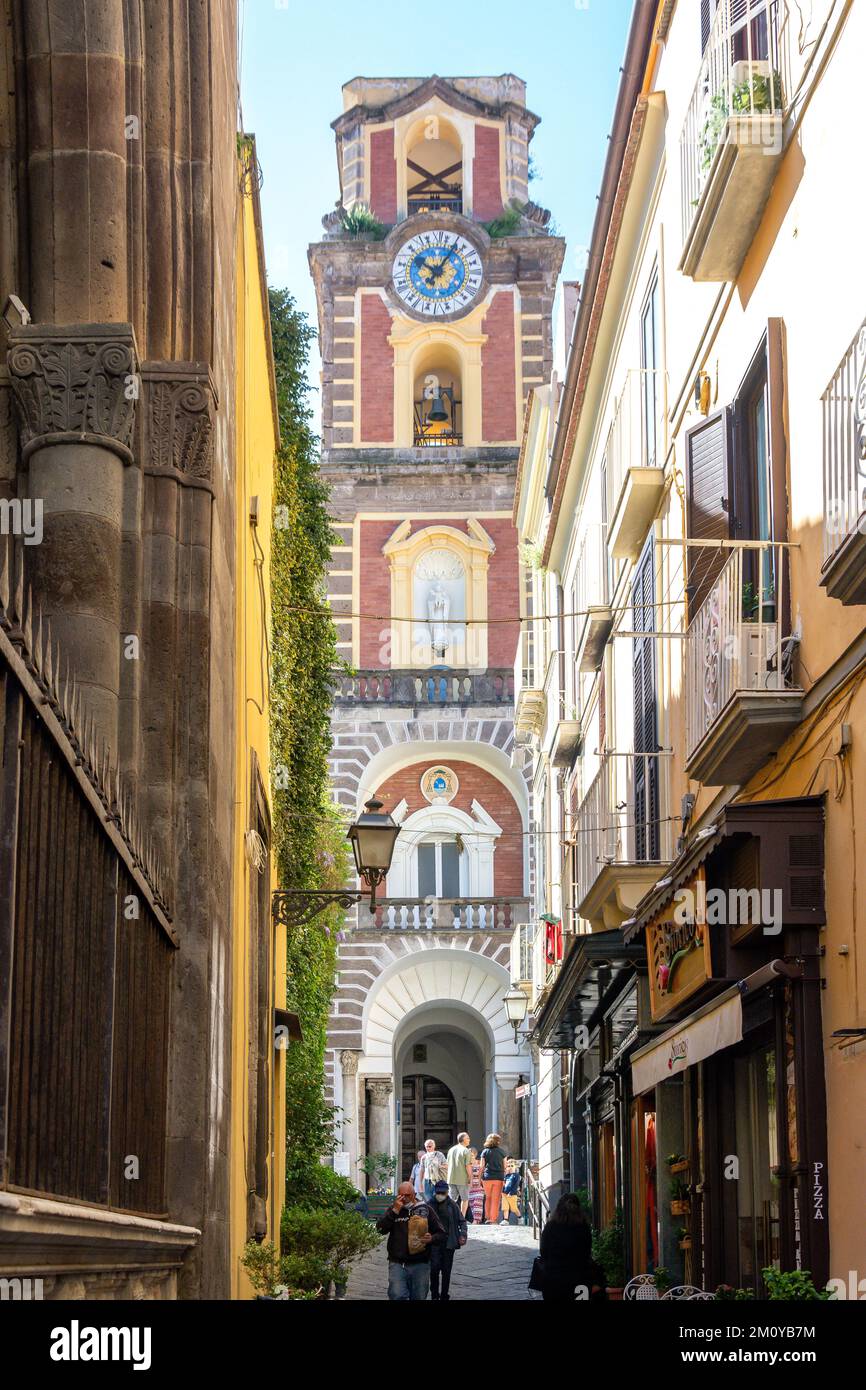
(755, 95)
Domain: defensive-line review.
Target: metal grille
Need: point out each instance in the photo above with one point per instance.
(84, 1024)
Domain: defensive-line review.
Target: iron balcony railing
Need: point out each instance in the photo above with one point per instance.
(844, 448)
(494, 686)
(732, 644)
(636, 437)
(444, 914)
(434, 202)
(619, 820)
(745, 73)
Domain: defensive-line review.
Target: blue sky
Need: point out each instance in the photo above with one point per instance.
(296, 55)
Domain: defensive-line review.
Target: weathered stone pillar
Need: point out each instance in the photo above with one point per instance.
(75, 388)
(379, 1114)
(349, 1123)
(507, 1123)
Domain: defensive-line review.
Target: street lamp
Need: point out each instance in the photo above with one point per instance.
(373, 838)
(516, 1005)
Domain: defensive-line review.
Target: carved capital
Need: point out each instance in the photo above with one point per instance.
(379, 1089)
(180, 403)
(349, 1062)
(75, 384)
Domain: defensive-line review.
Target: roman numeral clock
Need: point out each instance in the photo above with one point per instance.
(437, 274)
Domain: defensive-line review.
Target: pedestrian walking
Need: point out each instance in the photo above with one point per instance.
(459, 1174)
(493, 1177)
(434, 1167)
(416, 1177)
(511, 1190)
(476, 1189)
(566, 1255)
(412, 1227)
(442, 1251)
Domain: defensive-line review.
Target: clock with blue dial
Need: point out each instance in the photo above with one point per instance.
(437, 273)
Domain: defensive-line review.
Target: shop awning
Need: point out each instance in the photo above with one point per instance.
(717, 1025)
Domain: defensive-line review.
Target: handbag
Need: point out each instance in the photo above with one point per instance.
(536, 1277)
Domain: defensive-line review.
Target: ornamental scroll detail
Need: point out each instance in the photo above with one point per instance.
(74, 386)
(180, 406)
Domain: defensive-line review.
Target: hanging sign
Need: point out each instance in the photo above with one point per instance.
(678, 953)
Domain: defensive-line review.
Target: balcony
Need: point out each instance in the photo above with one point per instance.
(530, 702)
(843, 573)
(544, 971)
(592, 594)
(741, 703)
(623, 841)
(418, 688)
(492, 914)
(635, 455)
(733, 137)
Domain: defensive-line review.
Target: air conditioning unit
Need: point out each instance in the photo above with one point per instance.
(758, 656)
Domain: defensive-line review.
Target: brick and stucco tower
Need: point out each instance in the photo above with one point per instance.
(435, 282)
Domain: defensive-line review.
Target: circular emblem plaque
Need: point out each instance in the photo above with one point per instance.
(439, 784)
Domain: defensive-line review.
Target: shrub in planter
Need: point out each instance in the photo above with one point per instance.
(726, 1293)
(320, 1245)
(381, 1170)
(273, 1276)
(796, 1285)
(608, 1250)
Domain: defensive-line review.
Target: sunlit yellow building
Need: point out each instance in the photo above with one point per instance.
(257, 1167)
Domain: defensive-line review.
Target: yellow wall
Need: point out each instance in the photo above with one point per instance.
(257, 440)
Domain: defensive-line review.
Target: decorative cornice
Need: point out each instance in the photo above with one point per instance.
(74, 384)
(180, 403)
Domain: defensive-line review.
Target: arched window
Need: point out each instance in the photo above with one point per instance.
(437, 398)
(434, 167)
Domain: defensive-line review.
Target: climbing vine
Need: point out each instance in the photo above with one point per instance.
(309, 837)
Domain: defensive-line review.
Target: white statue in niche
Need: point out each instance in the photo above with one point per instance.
(438, 608)
(439, 604)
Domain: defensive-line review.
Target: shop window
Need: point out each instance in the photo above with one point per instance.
(758, 1222)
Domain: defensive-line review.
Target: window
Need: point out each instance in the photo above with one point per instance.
(646, 769)
(758, 1219)
(439, 869)
(650, 361)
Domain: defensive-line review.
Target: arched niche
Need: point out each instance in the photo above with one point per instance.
(437, 395)
(439, 581)
(433, 165)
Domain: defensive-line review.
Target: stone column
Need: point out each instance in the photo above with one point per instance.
(506, 1113)
(349, 1121)
(379, 1090)
(75, 389)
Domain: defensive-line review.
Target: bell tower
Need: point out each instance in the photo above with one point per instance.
(435, 282)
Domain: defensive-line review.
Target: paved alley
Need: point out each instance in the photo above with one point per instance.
(494, 1264)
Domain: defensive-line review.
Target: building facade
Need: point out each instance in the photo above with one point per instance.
(435, 320)
(695, 702)
(122, 703)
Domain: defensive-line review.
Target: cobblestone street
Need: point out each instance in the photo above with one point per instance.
(494, 1264)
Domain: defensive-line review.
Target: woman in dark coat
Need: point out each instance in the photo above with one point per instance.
(566, 1254)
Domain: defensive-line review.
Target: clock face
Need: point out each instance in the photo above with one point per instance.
(437, 273)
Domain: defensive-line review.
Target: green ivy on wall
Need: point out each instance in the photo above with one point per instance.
(309, 837)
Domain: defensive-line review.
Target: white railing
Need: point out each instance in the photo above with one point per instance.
(620, 820)
(444, 914)
(636, 438)
(844, 449)
(592, 589)
(746, 72)
(732, 644)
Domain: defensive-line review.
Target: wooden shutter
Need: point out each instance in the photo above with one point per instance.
(708, 10)
(709, 488)
(646, 782)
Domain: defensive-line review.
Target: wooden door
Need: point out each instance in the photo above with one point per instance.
(428, 1111)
